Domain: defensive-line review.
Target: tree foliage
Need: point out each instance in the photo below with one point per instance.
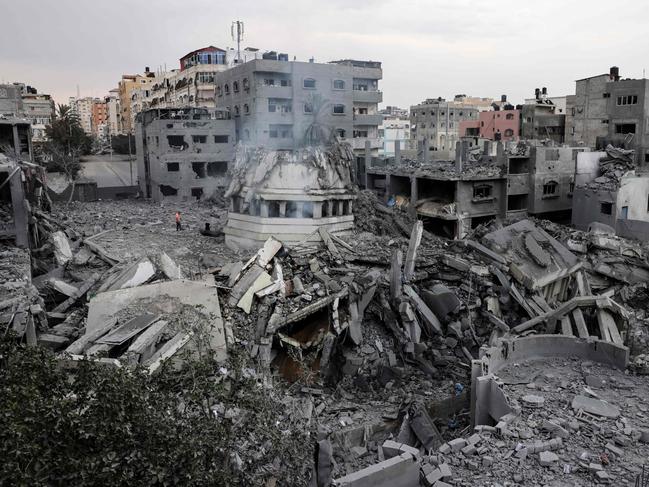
(66, 142)
(97, 425)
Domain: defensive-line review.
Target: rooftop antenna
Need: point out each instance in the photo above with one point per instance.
(237, 26)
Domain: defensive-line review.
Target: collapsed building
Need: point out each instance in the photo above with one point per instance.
(452, 197)
(612, 190)
(290, 195)
(183, 153)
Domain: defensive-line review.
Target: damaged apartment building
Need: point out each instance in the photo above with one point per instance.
(183, 153)
(452, 197)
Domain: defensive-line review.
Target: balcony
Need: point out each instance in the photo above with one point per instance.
(275, 91)
(359, 143)
(373, 120)
(367, 96)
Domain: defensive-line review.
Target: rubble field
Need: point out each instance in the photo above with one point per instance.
(371, 340)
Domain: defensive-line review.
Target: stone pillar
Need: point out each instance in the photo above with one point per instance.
(282, 209)
(263, 210)
(397, 152)
(426, 151)
(299, 209)
(458, 157)
(317, 209)
(16, 140)
(351, 207)
(340, 207)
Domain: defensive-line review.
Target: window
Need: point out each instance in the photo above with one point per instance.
(340, 133)
(220, 139)
(236, 111)
(197, 193)
(606, 208)
(509, 133)
(226, 88)
(308, 108)
(246, 84)
(571, 188)
(605, 120)
(176, 141)
(625, 213)
(218, 168)
(604, 95)
(285, 82)
(269, 82)
(510, 116)
(309, 83)
(550, 188)
(627, 100)
(625, 128)
(273, 133)
(482, 191)
(199, 139)
(199, 169)
(205, 77)
(235, 87)
(246, 109)
(279, 105)
(339, 109)
(339, 84)
(173, 166)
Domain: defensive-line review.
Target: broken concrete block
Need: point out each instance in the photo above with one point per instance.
(444, 449)
(433, 477)
(595, 406)
(457, 444)
(548, 458)
(62, 250)
(614, 450)
(391, 448)
(402, 470)
(168, 267)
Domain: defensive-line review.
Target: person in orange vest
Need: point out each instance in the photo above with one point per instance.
(178, 224)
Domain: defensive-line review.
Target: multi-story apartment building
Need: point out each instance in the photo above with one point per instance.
(113, 112)
(609, 109)
(435, 126)
(82, 107)
(393, 131)
(132, 91)
(99, 118)
(11, 102)
(183, 153)
(542, 118)
(193, 83)
(282, 105)
(20, 100)
(494, 125)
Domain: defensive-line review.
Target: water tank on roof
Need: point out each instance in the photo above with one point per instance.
(282, 56)
(270, 55)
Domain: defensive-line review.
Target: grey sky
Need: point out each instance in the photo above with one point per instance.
(428, 48)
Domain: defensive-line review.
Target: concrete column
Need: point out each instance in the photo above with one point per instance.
(263, 209)
(351, 207)
(299, 208)
(16, 140)
(388, 187)
(426, 152)
(458, 157)
(340, 207)
(231, 208)
(317, 209)
(282, 209)
(486, 148)
(21, 217)
(397, 152)
(413, 191)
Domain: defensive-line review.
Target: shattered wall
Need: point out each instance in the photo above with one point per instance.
(185, 156)
(289, 194)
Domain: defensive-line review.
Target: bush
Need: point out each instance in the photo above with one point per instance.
(96, 425)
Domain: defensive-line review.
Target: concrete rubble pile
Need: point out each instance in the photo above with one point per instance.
(390, 348)
(612, 167)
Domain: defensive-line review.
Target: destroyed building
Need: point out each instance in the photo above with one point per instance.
(291, 195)
(183, 153)
(542, 119)
(610, 189)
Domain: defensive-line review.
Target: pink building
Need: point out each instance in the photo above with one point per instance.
(493, 125)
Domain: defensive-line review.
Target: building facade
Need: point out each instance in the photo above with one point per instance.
(392, 131)
(284, 105)
(99, 118)
(132, 91)
(113, 112)
(542, 119)
(435, 126)
(82, 108)
(494, 125)
(183, 153)
(38, 108)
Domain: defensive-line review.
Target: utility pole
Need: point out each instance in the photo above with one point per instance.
(237, 34)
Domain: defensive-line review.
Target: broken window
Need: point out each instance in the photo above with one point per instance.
(510, 116)
(273, 133)
(308, 83)
(482, 191)
(308, 107)
(217, 168)
(173, 167)
(220, 139)
(606, 208)
(550, 188)
(339, 84)
(340, 133)
(516, 202)
(346, 207)
(197, 193)
(509, 133)
(176, 141)
(625, 128)
(199, 169)
(199, 139)
(339, 109)
(168, 190)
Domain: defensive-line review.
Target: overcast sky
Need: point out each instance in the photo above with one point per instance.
(428, 48)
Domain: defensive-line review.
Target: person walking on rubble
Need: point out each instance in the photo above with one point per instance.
(178, 224)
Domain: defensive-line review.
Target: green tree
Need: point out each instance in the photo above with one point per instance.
(66, 142)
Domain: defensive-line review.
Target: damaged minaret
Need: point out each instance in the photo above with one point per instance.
(289, 194)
